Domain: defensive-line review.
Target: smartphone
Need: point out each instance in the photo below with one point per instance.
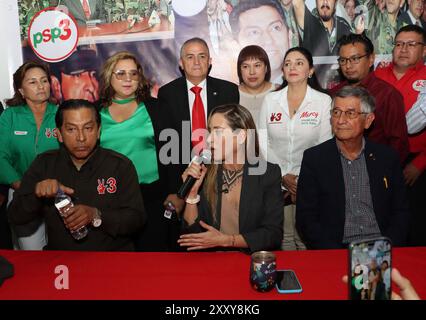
(287, 282)
(370, 263)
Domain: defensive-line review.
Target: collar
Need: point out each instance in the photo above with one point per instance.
(420, 65)
(90, 164)
(359, 154)
(368, 79)
(202, 84)
(412, 18)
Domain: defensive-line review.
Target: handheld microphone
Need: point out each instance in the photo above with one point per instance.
(204, 157)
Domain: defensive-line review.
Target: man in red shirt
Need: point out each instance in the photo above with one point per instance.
(407, 73)
(356, 58)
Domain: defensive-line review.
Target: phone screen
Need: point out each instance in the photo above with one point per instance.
(370, 270)
(287, 282)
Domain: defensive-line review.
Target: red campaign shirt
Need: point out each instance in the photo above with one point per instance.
(409, 86)
(389, 126)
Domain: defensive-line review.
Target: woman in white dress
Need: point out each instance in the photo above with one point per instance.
(293, 119)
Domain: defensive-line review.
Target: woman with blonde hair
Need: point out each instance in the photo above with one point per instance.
(236, 201)
(131, 124)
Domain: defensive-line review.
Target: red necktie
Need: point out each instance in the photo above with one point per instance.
(198, 118)
(86, 9)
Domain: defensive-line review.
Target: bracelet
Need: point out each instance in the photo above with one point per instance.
(194, 200)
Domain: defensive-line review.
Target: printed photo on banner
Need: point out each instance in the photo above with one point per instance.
(158, 28)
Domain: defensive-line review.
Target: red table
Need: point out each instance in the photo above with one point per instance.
(185, 276)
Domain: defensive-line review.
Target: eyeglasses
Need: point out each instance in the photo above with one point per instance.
(408, 44)
(124, 75)
(351, 114)
(352, 60)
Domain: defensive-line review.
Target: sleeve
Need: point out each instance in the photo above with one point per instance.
(265, 140)
(204, 214)
(8, 174)
(400, 216)
(308, 205)
(128, 214)
(416, 116)
(395, 125)
(25, 206)
(325, 129)
(171, 170)
(268, 235)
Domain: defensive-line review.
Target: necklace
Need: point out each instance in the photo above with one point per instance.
(229, 178)
(124, 101)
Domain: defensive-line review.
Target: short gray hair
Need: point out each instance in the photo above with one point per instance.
(194, 40)
(368, 103)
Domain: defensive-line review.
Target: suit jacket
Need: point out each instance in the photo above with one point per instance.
(320, 209)
(404, 19)
(260, 211)
(174, 106)
(97, 10)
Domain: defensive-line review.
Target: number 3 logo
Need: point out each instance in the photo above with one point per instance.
(112, 185)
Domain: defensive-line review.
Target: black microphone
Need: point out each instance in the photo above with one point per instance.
(204, 157)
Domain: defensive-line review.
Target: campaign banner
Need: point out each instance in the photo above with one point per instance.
(154, 30)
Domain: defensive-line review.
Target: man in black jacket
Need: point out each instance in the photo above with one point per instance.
(349, 187)
(103, 185)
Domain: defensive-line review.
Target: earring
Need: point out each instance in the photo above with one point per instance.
(310, 76)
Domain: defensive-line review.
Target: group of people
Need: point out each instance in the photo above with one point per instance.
(292, 167)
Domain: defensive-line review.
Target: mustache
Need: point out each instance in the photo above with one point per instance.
(325, 6)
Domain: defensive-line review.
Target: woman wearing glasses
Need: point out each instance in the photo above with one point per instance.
(294, 118)
(131, 124)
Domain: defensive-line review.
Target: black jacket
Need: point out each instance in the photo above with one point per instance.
(320, 209)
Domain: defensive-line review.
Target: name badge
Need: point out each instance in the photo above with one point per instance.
(21, 133)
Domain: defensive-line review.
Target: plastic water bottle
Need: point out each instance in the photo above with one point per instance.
(64, 203)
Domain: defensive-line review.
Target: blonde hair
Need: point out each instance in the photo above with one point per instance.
(107, 91)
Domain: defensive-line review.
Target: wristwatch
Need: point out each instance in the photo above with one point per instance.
(97, 219)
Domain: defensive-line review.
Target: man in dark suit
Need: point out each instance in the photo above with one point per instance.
(413, 15)
(84, 10)
(349, 187)
(177, 102)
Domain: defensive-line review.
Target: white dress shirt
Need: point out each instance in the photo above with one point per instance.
(416, 116)
(191, 96)
(283, 139)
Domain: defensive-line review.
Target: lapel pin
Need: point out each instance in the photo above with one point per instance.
(214, 93)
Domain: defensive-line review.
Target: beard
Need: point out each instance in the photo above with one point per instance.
(326, 17)
(353, 80)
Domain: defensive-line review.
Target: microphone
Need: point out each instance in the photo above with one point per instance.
(204, 157)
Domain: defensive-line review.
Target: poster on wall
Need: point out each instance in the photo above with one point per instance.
(154, 30)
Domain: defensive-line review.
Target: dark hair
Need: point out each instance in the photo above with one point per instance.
(366, 99)
(353, 38)
(194, 40)
(245, 5)
(107, 91)
(312, 81)
(253, 52)
(18, 78)
(74, 104)
(413, 28)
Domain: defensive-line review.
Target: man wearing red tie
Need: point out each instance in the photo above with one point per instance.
(84, 10)
(186, 103)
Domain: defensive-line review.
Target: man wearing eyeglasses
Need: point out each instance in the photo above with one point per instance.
(407, 73)
(356, 60)
(351, 188)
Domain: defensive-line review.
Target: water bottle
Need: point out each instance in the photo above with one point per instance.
(64, 203)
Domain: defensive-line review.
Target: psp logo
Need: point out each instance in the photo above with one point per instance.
(52, 35)
(275, 117)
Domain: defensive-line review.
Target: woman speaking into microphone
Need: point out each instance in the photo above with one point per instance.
(235, 202)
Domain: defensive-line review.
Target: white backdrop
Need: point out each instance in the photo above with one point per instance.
(10, 49)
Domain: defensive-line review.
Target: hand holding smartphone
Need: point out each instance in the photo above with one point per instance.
(287, 282)
(370, 269)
